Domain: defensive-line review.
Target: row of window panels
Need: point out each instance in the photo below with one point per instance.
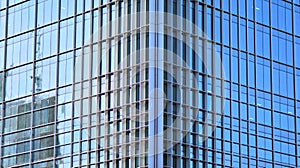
(229, 160)
(247, 9)
(137, 131)
(247, 72)
(46, 74)
(25, 15)
(67, 27)
(281, 11)
(77, 160)
(254, 152)
(88, 3)
(80, 160)
(122, 150)
(230, 125)
(191, 152)
(20, 48)
(237, 93)
(229, 59)
(64, 140)
(238, 110)
(282, 16)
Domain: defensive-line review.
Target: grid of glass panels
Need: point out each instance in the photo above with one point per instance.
(258, 43)
(63, 102)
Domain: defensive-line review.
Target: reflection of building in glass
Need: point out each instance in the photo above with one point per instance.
(79, 89)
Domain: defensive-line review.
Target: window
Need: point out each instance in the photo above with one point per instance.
(66, 9)
(46, 43)
(18, 82)
(234, 32)
(226, 63)
(66, 35)
(243, 68)
(282, 15)
(283, 81)
(234, 66)
(234, 6)
(251, 71)
(16, 123)
(79, 31)
(47, 11)
(218, 23)
(251, 37)
(2, 4)
(225, 5)
(45, 74)
(209, 23)
(282, 49)
(1, 55)
(243, 8)
(19, 50)
(284, 121)
(263, 41)
(200, 18)
(104, 25)
(284, 105)
(225, 29)
(87, 28)
(21, 17)
(263, 74)
(262, 11)
(297, 52)
(243, 35)
(296, 20)
(264, 116)
(2, 23)
(250, 7)
(65, 69)
(298, 84)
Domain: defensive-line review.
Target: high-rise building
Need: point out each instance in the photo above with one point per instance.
(150, 83)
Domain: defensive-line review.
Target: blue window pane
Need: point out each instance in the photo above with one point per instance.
(1, 55)
(296, 20)
(66, 35)
(47, 12)
(218, 23)
(234, 32)
(226, 29)
(226, 62)
(274, 15)
(243, 69)
(20, 50)
(297, 51)
(298, 84)
(263, 74)
(218, 4)
(21, 18)
(234, 67)
(67, 9)
(209, 23)
(234, 6)
(243, 35)
(263, 41)
(251, 37)
(2, 24)
(250, 7)
(225, 5)
(243, 8)
(251, 71)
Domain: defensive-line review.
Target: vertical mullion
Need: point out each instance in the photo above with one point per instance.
(33, 84)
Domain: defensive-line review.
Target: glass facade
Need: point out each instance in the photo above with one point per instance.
(79, 87)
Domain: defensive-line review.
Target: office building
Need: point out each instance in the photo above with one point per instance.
(153, 83)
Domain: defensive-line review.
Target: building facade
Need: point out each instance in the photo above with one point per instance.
(162, 83)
